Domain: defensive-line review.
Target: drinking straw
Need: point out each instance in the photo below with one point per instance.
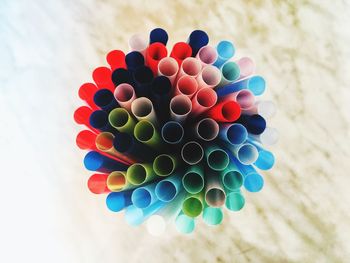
(180, 51)
(146, 133)
(192, 153)
(160, 96)
(143, 77)
(86, 93)
(102, 76)
(116, 182)
(105, 100)
(117, 201)
(245, 153)
(180, 108)
(116, 59)
(167, 189)
(168, 67)
(154, 53)
(172, 132)
(184, 224)
(104, 143)
(120, 119)
(234, 200)
(265, 108)
(203, 100)
(255, 124)
(255, 84)
(135, 216)
(95, 161)
(190, 66)
(196, 40)
(207, 55)
(246, 67)
(212, 216)
(140, 173)
(206, 129)
(245, 98)
(209, 77)
(225, 50)
(164, 165)
(231, 177)
(158, 35)
(193, 205)
(82, 116)
(217, 158)
(133, 60)
(268, 137)
(122, 75)
(97, 184)
(225, 111)
(186, 85)
(193, 180)
(125, 94)
(142, 109)
(229, 73)
(99, 121)
(128, 145)
(253, 182)
(265, 160)
(214, 192)
(235, 133)
(85, 140)
(144, 196)
(138, 42)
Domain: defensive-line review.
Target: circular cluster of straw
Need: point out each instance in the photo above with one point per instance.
(175, 136)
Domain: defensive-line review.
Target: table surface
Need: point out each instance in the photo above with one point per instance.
(48, 48)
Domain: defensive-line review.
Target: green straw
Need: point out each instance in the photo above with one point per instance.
(140, 173)
(146, 133)
(193, 205)
(184, 224)
(217, 158)
(231, 178)
(164, 165)
(234, 201)
(120, 119)
(193, 180)
(212, 215)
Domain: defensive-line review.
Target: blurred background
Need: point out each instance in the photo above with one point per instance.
(49, 48)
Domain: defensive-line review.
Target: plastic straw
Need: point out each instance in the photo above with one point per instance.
(225, 50)
(234, 201)
(134, 60)
(245, 98)
(140, 173)
(192, 153)
(204, 99)
(99, 120)
(180, 108)
(105, 100)
(180, 51)
(229, 73)
(86, 93)
(116, 59)
(213, 216)
(209, 77)
(160, 96)
(117, 201)
(246, 67)
(95, 161)
(135, 216)
(82, 116)
(97, 184)
(167, 189)
(245, 153)
(172, 132)
(207, 55)
(214, 192)
(102, 78)
(186, 85)
(125, 94)
(196, 40)
(164, 165)
(217, 159)
(191, 67)
(146, 133)
(168, 67)
(255, 124)
(143, 77)
(158, 35)
(184, 224)
(85, 140)
(117, 182)
(122, 75)
(206, 129)
(138, 42)
(253, 182)
(144, 196)
(235, 133)
(155, 52)
(225, 111)
(267, 109)
(193, 180)
(231, 177)
(265, 160)
(193, 205)
(268, 137)
(120, 119)
(142, 109)
(255, 84)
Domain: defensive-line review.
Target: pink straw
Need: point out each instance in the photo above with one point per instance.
(245, 98)
(168, 67)
(187, 86)
(190, 66)
(209, 77)
(138, 42)
(180, 108)
(125, 94)
(207, 55)
(246, 66)
(203, 100)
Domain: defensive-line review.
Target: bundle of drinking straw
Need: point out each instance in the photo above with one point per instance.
(175, 135)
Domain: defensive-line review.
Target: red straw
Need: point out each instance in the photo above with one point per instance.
(181, 50)
(154, 53)
(116, 59)
(97, 184)
(103, 78)
(82, 116)
(86, 92)
(226, 111)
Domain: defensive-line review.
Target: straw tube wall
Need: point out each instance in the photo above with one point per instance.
(125, 94)
(168, 67)
(203, 100)
(180, 108)
(142, 109)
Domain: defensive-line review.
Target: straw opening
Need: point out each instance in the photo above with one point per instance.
(192, 152)
(136, 174)
(116, 181)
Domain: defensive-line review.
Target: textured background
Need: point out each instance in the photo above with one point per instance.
(48, 48)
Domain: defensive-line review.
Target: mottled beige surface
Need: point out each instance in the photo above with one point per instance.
(48, 48)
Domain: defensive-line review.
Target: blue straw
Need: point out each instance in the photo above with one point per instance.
(122, 75)
(234, 133)
(135, 216)
(196, 40)
(265, 161)
(143, 77)
(104, 99)
(95, 161)
(255, 124)
(167, 189)
(158, 35)
(172, 132)
(253, 182)
(134, 60)
(117, 201)
(255, 84)
(226, 50)
(144, 196)
(99, 120)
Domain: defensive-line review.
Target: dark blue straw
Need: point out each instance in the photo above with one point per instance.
(134, 60)
(122, 75)
(94, 161)
(158, 35)
(160, 96)
(196, 40)
(104, 99)
(99, 120)
(143, 77)
(172, 132)
(255, 124)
